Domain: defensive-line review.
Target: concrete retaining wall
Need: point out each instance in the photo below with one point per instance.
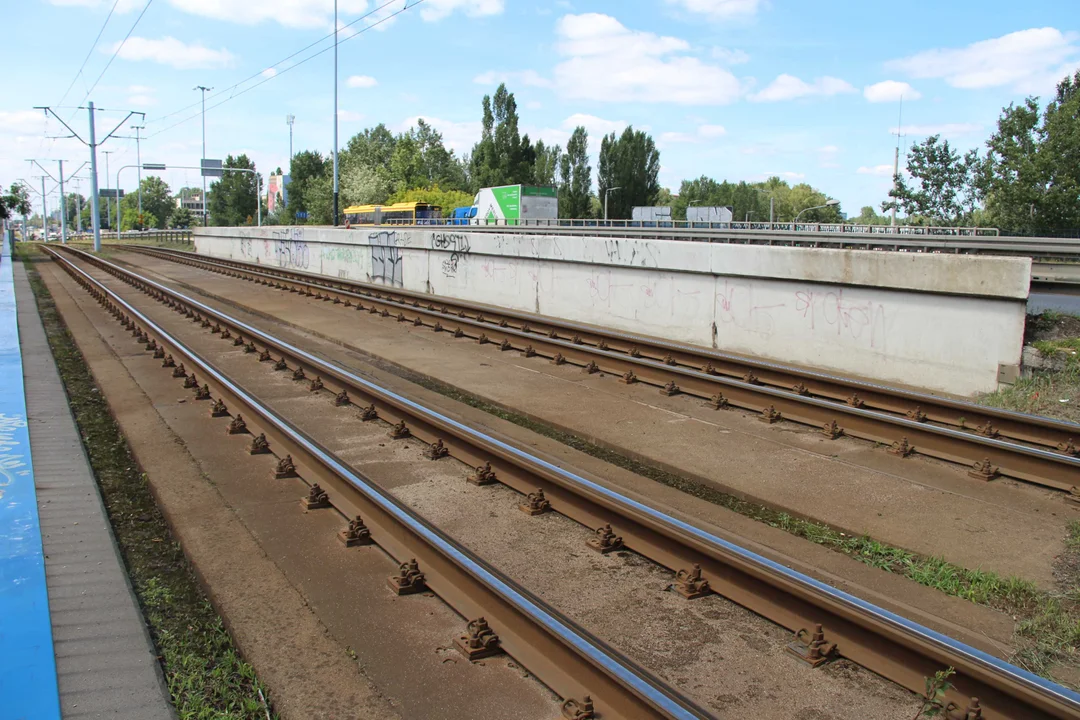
(941, 322)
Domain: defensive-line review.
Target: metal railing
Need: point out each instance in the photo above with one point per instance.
(791, 227)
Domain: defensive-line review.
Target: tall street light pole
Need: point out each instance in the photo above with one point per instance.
(828, 203)
(607, 192)
(108, 205)
(204, 90)
(138, 159)
(335, 118)
(289, 120)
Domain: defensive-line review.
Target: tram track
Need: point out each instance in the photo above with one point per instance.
(869, 636)
(990, 442)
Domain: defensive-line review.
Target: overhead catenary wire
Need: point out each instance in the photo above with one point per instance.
(89, 52)
(296, 65)
(117, 50)
(254, 76)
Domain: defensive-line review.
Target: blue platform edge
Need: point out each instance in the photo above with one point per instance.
(28, 684)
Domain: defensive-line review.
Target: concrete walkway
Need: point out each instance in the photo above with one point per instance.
(105, 661)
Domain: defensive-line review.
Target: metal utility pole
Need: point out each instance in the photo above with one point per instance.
(63, 206)
(93, 145)
(138, 159)
(335, 118)
(78, 206)
(204, 90)
(108, 205)
(289, 120)
(95, 205)
(44, 213)
(896, 159)
(607, 192)
(771, 210)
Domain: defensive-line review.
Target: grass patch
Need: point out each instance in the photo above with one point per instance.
(1055, 393)
(1047, 632)
(206, 676)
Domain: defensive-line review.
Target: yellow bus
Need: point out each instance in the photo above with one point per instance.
(406, 213)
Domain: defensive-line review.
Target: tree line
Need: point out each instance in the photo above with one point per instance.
(1026, 182)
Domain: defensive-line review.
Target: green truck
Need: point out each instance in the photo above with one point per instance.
(515, 204)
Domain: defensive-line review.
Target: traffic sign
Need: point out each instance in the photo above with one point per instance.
(301, 214)
(211, 168)
(153, 166)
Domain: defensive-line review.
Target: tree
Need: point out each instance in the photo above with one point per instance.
(15, 202)
(1030, 180)
(867, 216)
(631, 163)
(138, 221)
(943, 187)
(503, 156)
(364, 185)
(576, 176)
(308, 169)
(445, 199)
(234, 198)
(180, 218)
(157, 200)
(546, 167)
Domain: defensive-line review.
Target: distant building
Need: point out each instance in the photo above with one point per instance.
(277, 191)
(190, 199)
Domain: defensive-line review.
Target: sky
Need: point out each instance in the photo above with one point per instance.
(732, 89)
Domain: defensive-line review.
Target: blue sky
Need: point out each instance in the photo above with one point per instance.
(733, 89)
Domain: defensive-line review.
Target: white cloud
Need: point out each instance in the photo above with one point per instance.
(880, 170)
(1027, 60)
(122, 6)
(438, 9)
(312, 14)
(729, 56)
(361, 81)
(607, 61)
(269, 73)
(21, 122)
(717, 9)
(170, 51)
(528, 78)
(789, 87)
(594, 125)
(827, 156)
(944, 129)
(890, 91)
(349, 116)
(703, 132)
(458, 136)
(677, 137)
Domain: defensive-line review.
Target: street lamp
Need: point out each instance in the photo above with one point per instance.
(607, 192)
(828, 203)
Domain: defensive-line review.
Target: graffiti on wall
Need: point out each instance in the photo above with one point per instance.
(829, 311)
(386, 257)
(457, 244)
(290, 249)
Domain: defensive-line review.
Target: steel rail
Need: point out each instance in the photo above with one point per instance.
(990, 441)
(560, 652)
(884, 642)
